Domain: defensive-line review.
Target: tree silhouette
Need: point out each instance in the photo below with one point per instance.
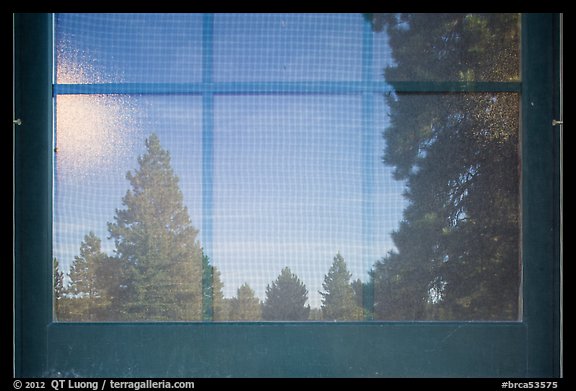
(338, 298)
(59, 291)
(88, 289)
(216, 307)
(457, 250)
(156, 244)
(363, 293)
(245, 306)
(286, 298)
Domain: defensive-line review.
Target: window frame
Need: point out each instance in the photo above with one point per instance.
(527, 348)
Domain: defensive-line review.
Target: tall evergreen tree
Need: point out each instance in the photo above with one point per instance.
(457, 250)
(364, 292)
(87, 290)
(215, 306)
(245, 306)
(156, 244)
(286, 298)
(59, 291)
(111, 279)
(338, 298)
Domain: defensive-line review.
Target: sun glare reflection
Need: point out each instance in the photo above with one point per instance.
(94, 133)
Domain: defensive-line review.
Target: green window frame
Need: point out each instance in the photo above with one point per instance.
(527, 348)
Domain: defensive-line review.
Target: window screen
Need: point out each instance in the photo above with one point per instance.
(286, 167)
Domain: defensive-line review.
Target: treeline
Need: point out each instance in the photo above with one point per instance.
(159, 272)
(97, 292)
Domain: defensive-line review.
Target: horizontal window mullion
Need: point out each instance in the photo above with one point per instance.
(345, 87)
(454, 86)
(128, 88)
(224, 88)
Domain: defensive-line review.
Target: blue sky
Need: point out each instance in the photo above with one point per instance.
(288, 169)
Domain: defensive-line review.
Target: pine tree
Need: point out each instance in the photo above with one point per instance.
(457, 250)
(156, 244)
(215, 307)
(338, 298)
(59, 291)
(245, 306)
(286, 298)
(110, 279)
(87, 289)
(364, 292)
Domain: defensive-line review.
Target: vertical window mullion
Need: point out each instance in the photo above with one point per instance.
(367, 167)
(207, 158)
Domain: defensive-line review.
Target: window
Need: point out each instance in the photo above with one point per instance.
(287, 191)
(265, 149)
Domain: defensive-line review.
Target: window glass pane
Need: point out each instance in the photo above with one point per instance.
(336, 203)
(128, 48)
(288, 194)
(457, 247)
(127, 186)
(287, 47)
(448, 46)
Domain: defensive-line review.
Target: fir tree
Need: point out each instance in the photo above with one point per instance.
(364, 292)
(215, 307)
(286, 298)
(338, 298)
(156, 244)
(59, 291)
(245, 306)
(87, 290)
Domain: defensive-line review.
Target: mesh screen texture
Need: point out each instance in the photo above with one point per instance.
(248, 144)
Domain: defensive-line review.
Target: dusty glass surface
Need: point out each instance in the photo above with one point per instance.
(457, 246)
(128, 48)
(211, 196)
(127, 207)
(446, 47)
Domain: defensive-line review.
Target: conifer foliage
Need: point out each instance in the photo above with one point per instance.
(245, 306)
(156, 243)
(339, 299)
(88, 283)
(286, 298)
(457, 250)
